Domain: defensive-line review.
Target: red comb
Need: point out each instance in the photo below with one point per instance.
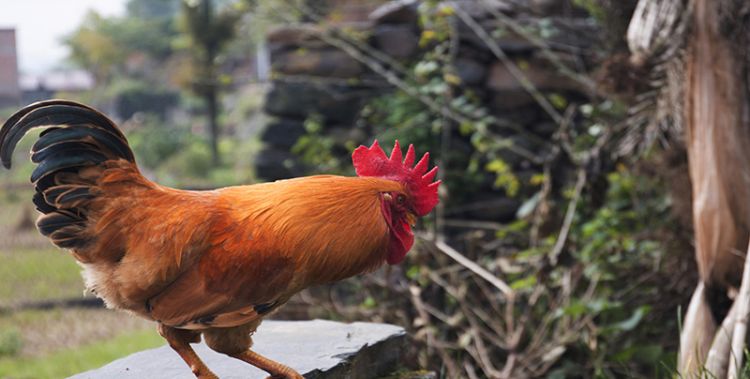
(372, 161)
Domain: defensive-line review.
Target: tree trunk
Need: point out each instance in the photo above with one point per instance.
(211, 94)
(212, 105)
(718, 145)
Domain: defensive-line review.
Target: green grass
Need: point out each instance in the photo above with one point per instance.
(38, 274)
(71, 361)
(12, 204)
(59, 342)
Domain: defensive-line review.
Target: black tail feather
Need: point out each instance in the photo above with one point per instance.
(67, 196)
(84, 134)
(77, 159)
(55, 113)
(77, 138)
(61, 148)
(68, 239)
(49, 223)
(41, 204)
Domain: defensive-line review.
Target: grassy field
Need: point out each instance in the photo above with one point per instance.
(37, 274)
(32, 268)
(58, 342)
(69, 361)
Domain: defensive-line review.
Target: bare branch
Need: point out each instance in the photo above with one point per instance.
(475, 268)
(562, 237)
(512, 67)
(544, 48)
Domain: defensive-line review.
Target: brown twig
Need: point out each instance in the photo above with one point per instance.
(562, 237)
(512, 67)
(475, 268)
(544, 48)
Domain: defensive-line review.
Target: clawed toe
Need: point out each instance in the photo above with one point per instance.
(277, 370)
(286, 376)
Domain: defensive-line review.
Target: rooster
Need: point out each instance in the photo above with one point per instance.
(211, 263)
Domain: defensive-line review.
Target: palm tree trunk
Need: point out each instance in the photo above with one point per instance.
(718, 145)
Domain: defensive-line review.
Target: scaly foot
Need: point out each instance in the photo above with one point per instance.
(291, 375)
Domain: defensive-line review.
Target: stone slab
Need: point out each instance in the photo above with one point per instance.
(317, 349)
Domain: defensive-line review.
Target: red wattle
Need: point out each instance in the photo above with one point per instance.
(401, 237)
(401, 242)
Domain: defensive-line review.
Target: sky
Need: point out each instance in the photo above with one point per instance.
(41, 25)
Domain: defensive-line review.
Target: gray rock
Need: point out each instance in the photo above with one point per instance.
(540, 76)
(508, 41)
(580, 33)
(348, 12)
(282, 133)
(501, 79)
(490, 207)
(546, 7)
(326, 63)
(563, 34)
(336, 103)
(545, 129)
(398, 41)
(396, 12)
(299, 35)
(514, 159)
(503, 101)
(518, 109)
(483, 9)
(274, 164)
(470, 71)
(317, 349)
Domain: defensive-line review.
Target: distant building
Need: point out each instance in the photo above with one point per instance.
(45, 86)
(10, 93)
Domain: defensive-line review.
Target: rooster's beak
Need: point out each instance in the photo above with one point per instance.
(411, 219)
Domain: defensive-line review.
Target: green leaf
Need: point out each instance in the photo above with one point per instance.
(524, 283)
(369, 303)
(413, 273)
(633, 321)
(558, 101)
(576, 309)
(425, 68)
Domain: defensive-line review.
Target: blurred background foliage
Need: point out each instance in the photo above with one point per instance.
(595, 250)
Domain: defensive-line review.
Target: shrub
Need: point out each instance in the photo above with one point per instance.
(10, 342)
(154, 142)
(133, 96)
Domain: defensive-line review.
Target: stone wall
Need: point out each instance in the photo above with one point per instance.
(312, 77)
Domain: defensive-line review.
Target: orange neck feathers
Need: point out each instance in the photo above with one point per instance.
(331, 227)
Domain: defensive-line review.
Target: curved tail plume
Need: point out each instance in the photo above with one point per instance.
(70, 155)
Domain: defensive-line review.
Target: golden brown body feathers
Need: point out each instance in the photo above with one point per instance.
(180, 256)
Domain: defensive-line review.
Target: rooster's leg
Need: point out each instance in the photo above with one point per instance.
(236, 342)
(276, 369)
(179, 340)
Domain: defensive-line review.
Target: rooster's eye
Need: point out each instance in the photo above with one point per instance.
(400, 199)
